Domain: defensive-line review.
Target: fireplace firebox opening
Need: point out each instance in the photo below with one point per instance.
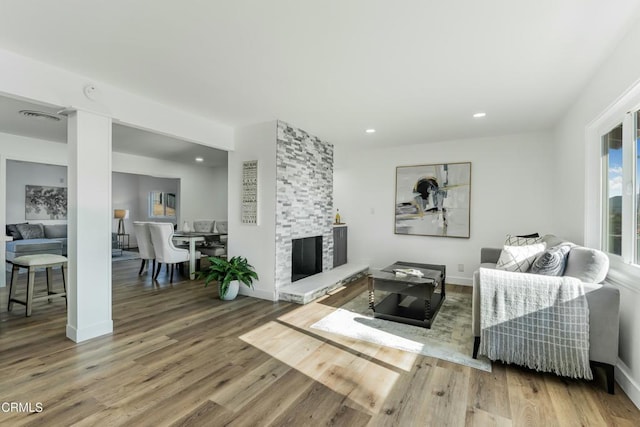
(306, 257)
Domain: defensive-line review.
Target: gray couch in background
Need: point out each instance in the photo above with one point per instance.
(36, 239)
(603, 299)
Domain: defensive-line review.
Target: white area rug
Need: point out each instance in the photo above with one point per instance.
(126, 256)
(450, 337)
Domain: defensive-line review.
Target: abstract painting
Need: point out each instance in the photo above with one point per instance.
(43, 202)
(433, 200)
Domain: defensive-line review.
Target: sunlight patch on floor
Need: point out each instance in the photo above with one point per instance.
(362, 372)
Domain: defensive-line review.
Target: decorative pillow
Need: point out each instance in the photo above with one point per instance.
(521, 240)
(221, 226)
(519, 258)
(552, 240)
(204, 226)
(55, 231)
(588, 265)
(12, 230)
(552, 261)
(31, 231)
(529, 235)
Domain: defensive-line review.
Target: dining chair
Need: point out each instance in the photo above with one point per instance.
(221, 226)
(145, 246)
(212, 245)
(204, 225)
(166, 252)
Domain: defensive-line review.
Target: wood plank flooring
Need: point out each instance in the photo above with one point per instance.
(181, 357)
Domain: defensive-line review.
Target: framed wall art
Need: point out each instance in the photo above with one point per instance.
(433, 200)
(42, 202)
(249, 210)
(162, 204)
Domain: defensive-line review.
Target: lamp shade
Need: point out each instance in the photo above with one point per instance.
(121, 213)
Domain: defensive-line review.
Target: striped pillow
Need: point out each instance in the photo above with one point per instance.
(552, 261)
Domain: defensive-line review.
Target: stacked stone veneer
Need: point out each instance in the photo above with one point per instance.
(304, 196)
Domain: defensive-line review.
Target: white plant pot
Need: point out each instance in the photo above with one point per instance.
(232, 291)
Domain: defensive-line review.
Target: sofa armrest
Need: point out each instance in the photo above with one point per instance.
(604, 323)
(490, 255)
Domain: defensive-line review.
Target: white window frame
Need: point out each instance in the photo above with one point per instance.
(164, 205)
(623, 268)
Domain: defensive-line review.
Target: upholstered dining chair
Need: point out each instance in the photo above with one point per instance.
(221, 226)
(145, 246)
(166, 252)
(204, 225)
(212, 245)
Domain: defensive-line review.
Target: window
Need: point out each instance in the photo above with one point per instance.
(162, 205)
(621, 189)
(612, 203)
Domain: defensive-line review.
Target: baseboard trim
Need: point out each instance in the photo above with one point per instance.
(464, 281)
(627, 383)
(94, 331)
(258, 293)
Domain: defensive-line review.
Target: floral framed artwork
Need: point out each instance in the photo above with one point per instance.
(434, 200)
(42, 202)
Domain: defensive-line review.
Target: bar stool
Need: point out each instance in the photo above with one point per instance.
(31, 262)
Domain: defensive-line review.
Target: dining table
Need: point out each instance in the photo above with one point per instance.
(192, 237)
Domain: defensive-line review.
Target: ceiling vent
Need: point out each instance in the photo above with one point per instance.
(40, 115)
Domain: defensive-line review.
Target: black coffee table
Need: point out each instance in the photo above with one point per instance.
(428, 293)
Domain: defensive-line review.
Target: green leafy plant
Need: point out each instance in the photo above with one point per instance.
(225, 271)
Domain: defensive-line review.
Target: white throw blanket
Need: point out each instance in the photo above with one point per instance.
(541, 322)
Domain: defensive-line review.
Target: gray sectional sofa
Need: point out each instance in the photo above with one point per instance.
(31, 239)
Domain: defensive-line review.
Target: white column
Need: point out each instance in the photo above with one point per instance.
(89, 226)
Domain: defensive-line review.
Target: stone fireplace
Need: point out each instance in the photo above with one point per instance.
(304, 197)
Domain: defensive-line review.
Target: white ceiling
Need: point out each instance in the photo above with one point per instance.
(125, 139)
(415, 70)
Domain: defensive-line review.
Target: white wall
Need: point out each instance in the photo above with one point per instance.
(20, 174)
(217, 190)
(131, 191)
(255, 242)
(511, 193)
(124, 191)
(619, 72)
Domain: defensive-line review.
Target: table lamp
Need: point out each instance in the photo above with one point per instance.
(120, 215)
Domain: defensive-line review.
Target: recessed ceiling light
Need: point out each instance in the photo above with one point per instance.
(478, 115)
(199, 159)
(370, 131)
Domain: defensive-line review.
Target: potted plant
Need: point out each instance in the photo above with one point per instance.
(229, 274)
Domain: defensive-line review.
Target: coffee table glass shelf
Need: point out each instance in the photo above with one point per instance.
(413, 299)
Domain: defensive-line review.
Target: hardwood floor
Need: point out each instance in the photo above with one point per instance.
(181, 357)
